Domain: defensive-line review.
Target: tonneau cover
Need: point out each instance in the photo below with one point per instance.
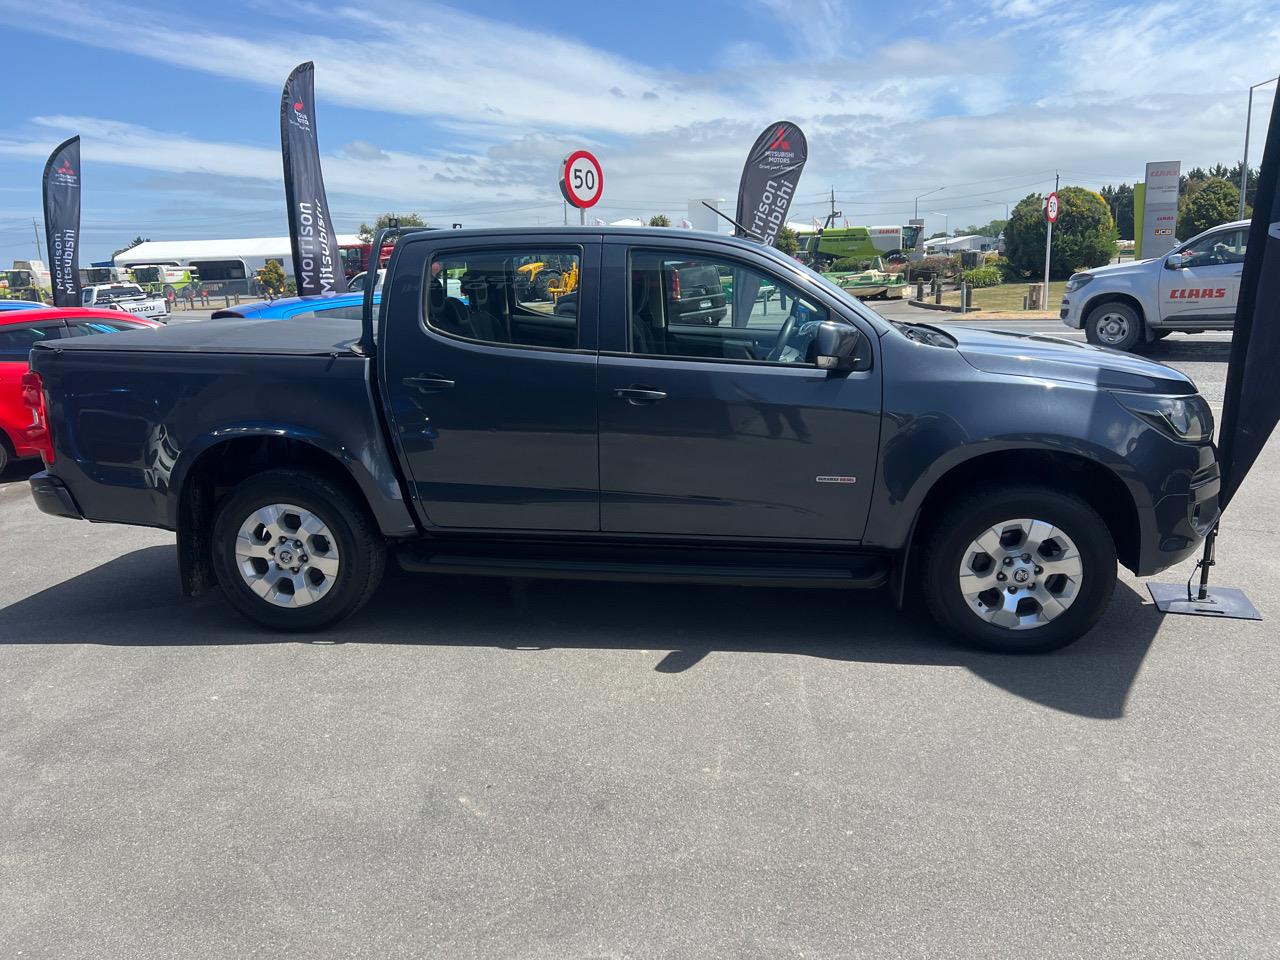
(306, 336)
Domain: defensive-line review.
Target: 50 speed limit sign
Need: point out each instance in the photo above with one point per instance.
(1051, 208)
(582, 181)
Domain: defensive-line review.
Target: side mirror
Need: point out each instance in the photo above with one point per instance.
(1175, 261)
(841, 348)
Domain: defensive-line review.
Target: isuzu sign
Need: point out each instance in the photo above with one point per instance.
(769, 179)
(312, 238)
(62, 221)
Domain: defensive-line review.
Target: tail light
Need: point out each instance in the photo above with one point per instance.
(675, 284)
(37, 434)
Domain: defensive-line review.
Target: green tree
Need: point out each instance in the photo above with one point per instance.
(992, 229)
(787, 242)
(1084, 236)
(1120, 200)
(366, 232)
(133, 243)
(273, 279)
(659, 220)
(1217, 201)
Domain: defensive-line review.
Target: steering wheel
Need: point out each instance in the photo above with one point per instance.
(784, 335)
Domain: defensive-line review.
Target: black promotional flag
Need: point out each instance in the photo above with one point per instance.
(62, 221)
(769, 179)
(317, 263)
(1251, 405)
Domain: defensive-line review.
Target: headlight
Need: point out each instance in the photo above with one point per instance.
(1185, 417)
(1077, 281)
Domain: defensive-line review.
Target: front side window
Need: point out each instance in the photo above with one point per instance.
(518, 297)
(1225, 246)
(701, 307)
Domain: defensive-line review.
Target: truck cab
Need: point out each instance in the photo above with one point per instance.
(1191, 289)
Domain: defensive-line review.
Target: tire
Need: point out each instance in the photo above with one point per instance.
(1115, 325)
(1077, 531)
(348, 540)
(6, 454)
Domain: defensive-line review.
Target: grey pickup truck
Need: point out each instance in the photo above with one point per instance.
(470, 424)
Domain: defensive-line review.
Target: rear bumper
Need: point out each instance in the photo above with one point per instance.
(52, 497)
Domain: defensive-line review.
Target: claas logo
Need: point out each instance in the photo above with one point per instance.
(1198, 293)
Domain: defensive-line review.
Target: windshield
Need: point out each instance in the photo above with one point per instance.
(147, 274)
(119, 291)
(910, 237)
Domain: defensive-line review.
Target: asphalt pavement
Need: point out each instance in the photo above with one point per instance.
(477, 768)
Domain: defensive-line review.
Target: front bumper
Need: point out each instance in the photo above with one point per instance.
(1177, 523)
(1070, 314)
(52, 497)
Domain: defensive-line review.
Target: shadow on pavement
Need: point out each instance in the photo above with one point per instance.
(20, 470)
(1178, 348)
(134, 600)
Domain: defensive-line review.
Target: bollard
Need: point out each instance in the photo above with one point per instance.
(937, 292)
(964, 297)
(920, 290)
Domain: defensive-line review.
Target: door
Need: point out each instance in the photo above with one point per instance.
(1207, 286)
(726, 427)
(490, 384)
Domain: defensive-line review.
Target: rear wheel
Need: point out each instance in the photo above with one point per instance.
(1019, 569)
(6, 454)
(294, 551)
(1115, 325)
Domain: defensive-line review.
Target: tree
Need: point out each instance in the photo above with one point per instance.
(787, 242)
(133, 243)
(659, 220)
(273, 279)
(366, 232)
(992, 229)
(1120, 200)
(1084, 236)
(1217, 201)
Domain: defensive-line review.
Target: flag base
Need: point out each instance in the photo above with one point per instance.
(1227, 603)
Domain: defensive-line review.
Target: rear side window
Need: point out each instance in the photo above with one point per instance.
(16, 340)
(519, 297)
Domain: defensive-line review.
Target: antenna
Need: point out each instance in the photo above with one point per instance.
(749, 233)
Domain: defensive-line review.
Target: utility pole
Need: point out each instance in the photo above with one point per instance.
(35, 231)
(1048, 243)
(831, 217)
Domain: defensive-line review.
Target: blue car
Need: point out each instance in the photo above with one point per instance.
(345, 306)
(20, 304)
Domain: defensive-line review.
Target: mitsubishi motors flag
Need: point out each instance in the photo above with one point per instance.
(769, 179)
(1251, 404)
(62, 221)
(317, 264)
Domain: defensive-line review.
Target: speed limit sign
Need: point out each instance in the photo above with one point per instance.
(582, 181)
(1051, 208)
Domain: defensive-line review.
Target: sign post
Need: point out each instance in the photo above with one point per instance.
(1051, 214)
(581, 181)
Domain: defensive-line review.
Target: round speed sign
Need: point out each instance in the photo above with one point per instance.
(583, 180)
(1051, 208)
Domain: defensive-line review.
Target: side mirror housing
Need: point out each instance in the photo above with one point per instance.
(1175, 261)
(841, 348)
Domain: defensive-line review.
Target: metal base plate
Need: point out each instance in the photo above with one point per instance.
(1225, 602)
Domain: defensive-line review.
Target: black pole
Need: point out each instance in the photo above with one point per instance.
(1206, 561)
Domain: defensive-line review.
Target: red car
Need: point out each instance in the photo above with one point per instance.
(19, 331)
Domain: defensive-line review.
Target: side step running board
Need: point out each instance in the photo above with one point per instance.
(867, 574)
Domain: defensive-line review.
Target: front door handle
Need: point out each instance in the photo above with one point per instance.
(427, 383)
(638, 394)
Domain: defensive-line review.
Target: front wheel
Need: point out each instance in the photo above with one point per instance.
(1115, 325)
(294, 551)
(1019, 569)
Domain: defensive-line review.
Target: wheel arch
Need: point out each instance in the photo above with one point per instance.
(229, 457)
(1095, 483)
(1117, 296)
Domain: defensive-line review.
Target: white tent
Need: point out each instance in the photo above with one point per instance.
(627, 222)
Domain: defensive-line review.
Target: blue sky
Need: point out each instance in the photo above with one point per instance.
(461, 112)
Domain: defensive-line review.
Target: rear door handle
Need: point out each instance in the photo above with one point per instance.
(638, 394)
(427, 383)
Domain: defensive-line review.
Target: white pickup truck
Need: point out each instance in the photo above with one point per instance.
(1191, 289)
(128, 297)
